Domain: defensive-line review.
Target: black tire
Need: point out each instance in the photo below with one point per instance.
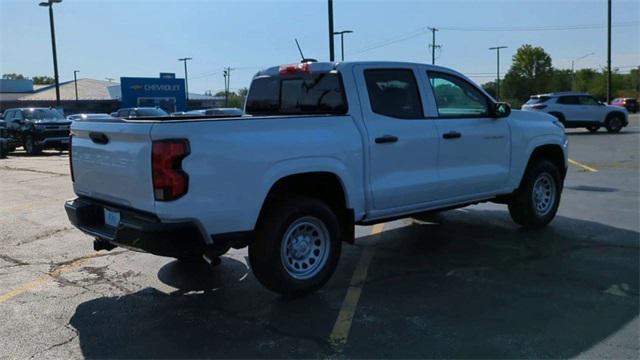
(523, 208)
(30, 146)
(3, 149)
(276, 226)
(614, 123)
(593, 129)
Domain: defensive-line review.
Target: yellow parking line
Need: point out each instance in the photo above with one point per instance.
(588, 168)
(46, 277)
(342, 326)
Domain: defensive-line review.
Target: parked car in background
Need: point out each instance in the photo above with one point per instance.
(216, 112)
(575, 110)
(4, 140)
(223, 112)
(140, 112)
(327, 146)
(85, 117)
(630, 104)
(37, 129)
(7, 143)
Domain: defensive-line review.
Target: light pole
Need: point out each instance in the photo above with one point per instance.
(331, 52)
(49, 3)
(497, 49)
(573, 73)
(75, 83)
(341, 33)
(186, 80)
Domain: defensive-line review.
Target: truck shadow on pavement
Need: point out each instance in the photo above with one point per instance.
(467, 284)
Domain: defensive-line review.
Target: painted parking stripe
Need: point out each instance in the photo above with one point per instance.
(585, 167)
(342, 326)
(50, 276)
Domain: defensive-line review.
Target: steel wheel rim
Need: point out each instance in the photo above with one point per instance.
(543, 194)
(305, 248)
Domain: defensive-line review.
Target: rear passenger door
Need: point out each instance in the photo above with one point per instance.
(403, 143)
(475, 147)
(570, 107)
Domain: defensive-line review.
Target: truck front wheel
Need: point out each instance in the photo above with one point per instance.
(30, 146)
(297, 246)
(536, 201)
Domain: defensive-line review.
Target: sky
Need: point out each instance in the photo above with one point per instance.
(114, 38)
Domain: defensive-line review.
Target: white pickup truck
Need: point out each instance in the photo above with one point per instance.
(323, 147)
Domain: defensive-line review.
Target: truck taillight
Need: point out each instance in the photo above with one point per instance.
(169, 180)
(73, 179)
(295, 68)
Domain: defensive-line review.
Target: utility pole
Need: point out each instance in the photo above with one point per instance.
(433, 45)
(497, 49)
(341, 33)
(227, 82)
(609, 51)
(331, 50)
(186, 79)
(75, 83)
(49, 4)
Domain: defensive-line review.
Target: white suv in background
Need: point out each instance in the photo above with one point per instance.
(579, 110)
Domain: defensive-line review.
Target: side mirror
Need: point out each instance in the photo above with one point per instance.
(501, 110)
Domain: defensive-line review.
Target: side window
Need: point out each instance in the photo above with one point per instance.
(8, 115)
(456, 98)
(568, 100)
(394, 93)
(587, 100)
(18, 115)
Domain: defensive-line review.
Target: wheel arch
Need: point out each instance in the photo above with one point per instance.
(550, 152)
(325, 185)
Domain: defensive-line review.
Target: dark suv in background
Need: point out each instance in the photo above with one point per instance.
(36, 129)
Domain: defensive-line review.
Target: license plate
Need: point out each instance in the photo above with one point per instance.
(111, 218)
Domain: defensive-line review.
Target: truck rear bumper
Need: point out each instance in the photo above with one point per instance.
(135, 230)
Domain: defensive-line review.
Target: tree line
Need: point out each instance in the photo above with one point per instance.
(532, 72)
(37, 80)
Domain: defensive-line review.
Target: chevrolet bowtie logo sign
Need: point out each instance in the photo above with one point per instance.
(136, 87)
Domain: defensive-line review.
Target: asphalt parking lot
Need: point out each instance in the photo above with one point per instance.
(466, 283)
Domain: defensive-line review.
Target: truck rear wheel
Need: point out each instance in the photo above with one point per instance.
(536, 201)
(297, 246)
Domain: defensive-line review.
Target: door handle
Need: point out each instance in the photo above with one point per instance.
(98, 138)
(451, 135)
(386, 139)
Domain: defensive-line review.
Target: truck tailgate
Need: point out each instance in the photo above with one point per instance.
(112, 162)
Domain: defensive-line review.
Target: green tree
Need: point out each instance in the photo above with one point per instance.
(530, 73)
(13, 76)
(42, 80)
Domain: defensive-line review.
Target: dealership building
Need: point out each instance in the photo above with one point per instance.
(100, 96)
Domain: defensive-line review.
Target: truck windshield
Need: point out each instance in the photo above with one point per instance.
(300, 94)
(41, 114)
(537, 100)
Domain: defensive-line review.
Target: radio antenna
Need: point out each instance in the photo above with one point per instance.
(299, 49)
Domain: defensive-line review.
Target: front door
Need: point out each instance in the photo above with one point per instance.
(475, 147)
(403, 144)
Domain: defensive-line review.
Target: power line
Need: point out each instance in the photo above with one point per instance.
(424, 30)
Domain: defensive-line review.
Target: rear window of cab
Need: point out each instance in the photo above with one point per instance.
(299, 94)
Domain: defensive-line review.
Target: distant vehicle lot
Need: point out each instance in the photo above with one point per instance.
(468, 283)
